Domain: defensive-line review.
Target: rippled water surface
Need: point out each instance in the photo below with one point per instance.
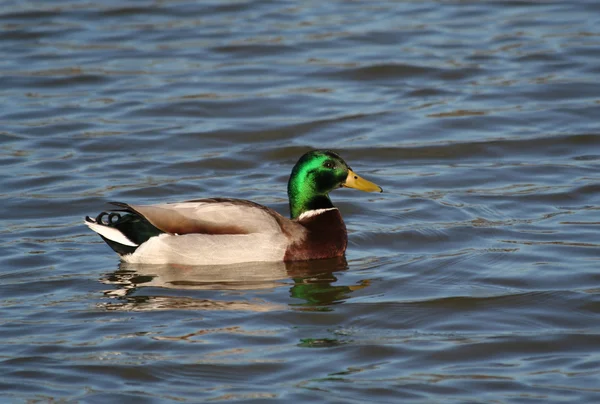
(474, 278)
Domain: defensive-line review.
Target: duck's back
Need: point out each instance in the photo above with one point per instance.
(210, 216)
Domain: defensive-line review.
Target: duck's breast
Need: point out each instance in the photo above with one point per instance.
(325, 236)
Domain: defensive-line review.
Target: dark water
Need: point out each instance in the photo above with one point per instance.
(474, 279)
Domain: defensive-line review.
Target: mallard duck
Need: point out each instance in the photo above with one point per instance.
(220, 231)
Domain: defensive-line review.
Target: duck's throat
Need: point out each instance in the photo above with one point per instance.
(300, 205)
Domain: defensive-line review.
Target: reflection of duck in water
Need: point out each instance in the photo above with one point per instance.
(312, 282)
(319, 291)
(227, 231)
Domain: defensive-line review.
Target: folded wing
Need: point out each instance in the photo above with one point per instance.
(210, 216)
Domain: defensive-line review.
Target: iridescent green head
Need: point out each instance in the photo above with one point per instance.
(317, 173)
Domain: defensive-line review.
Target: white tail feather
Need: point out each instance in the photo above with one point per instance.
(111, 233)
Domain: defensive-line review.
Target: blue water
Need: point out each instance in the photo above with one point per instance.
(473, 279)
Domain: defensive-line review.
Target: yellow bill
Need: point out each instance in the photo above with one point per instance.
(356, 182)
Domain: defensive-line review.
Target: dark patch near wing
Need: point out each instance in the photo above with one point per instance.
(133, 225)
(119, 248)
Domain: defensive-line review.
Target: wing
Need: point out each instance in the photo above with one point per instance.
(211, 216)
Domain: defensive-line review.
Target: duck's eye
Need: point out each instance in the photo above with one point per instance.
(329, 164)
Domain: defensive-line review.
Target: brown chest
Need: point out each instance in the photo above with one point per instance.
(325, 237)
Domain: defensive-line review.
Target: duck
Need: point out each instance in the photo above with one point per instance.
(223, 231)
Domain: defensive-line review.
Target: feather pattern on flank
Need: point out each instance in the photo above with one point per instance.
(194, 248)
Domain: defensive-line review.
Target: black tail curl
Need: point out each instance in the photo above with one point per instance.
(111, 222)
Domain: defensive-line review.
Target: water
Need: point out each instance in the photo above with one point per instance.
(473, 278)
